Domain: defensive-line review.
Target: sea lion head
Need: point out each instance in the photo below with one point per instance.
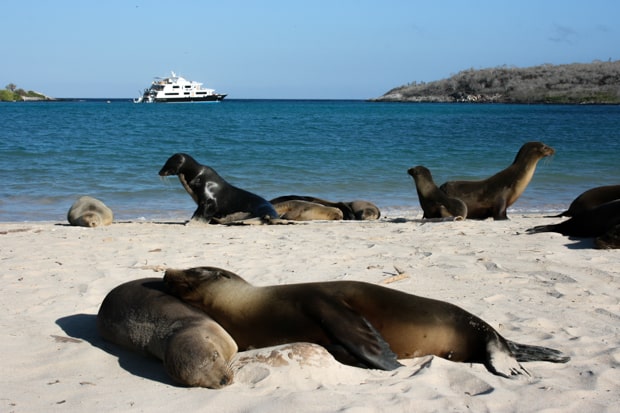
(174, 164)
(423, 179)
(535, 150)
(420, 171)
(365, 210)
(197, 285)
(201, 360)
(89, 219)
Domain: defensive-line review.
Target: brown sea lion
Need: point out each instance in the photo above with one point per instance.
(298, 210)
(590, 223)
(492, 196)
(354, 210)
(434, 202)
(217, 200)
(364, 210)
(361, 324)
(87, 211)
(591, 199)
(141, 316)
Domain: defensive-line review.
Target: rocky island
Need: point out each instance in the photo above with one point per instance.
(592, 83)
(12, 94)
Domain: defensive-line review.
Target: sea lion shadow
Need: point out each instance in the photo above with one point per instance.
(84, 327)
(60, 224)
(581, 243)
(401, 220)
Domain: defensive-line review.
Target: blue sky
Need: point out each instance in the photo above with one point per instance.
(319, 49)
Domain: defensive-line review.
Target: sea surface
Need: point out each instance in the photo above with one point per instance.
(53, 152)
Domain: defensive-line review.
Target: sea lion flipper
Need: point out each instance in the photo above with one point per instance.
(205, 211)
(355, 334)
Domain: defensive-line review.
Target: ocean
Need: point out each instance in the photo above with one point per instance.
(53, 152)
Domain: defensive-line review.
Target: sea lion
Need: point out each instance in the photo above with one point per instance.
(354, 210)
(590, 223)
(87, 211)
(590, 199)
(361, 324)
(492, 196)
(609, 240)
(141, 316)
(434, 202)
(364, 210)
(298, 210)
(217, 200)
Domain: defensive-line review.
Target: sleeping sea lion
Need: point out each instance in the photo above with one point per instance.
(361, 324)
(354, 210)
(298, 210)
(609, 240)
(141, 316)
(590, 223)
(87, 211)
(591, 199)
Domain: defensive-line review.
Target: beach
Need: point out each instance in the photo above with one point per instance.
(541, 289)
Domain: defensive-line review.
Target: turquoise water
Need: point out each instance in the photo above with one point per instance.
(51, 153)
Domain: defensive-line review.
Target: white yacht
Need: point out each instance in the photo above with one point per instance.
(177, 89)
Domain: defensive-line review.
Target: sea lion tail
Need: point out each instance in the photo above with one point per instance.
(526, 352)
(540, 228)
(560, 215)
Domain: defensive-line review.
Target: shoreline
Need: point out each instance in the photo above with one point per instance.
(393, 212)
(541, 289)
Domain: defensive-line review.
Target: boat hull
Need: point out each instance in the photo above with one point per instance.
(177, 89)
(211, 98)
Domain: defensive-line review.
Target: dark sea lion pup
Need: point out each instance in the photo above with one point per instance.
(141, 316)
(591, 199)
(90, 212)
(590, 223)
(361, 324)
(217, 200)
(434, 202)
(609, 240)
(492, 196)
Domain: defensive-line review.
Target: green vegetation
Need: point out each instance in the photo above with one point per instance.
(11, 94)
(594, 83)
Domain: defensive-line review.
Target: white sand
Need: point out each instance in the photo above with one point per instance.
(539, 289)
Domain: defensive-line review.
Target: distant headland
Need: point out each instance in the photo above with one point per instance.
(12, 93)
(578, 83)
